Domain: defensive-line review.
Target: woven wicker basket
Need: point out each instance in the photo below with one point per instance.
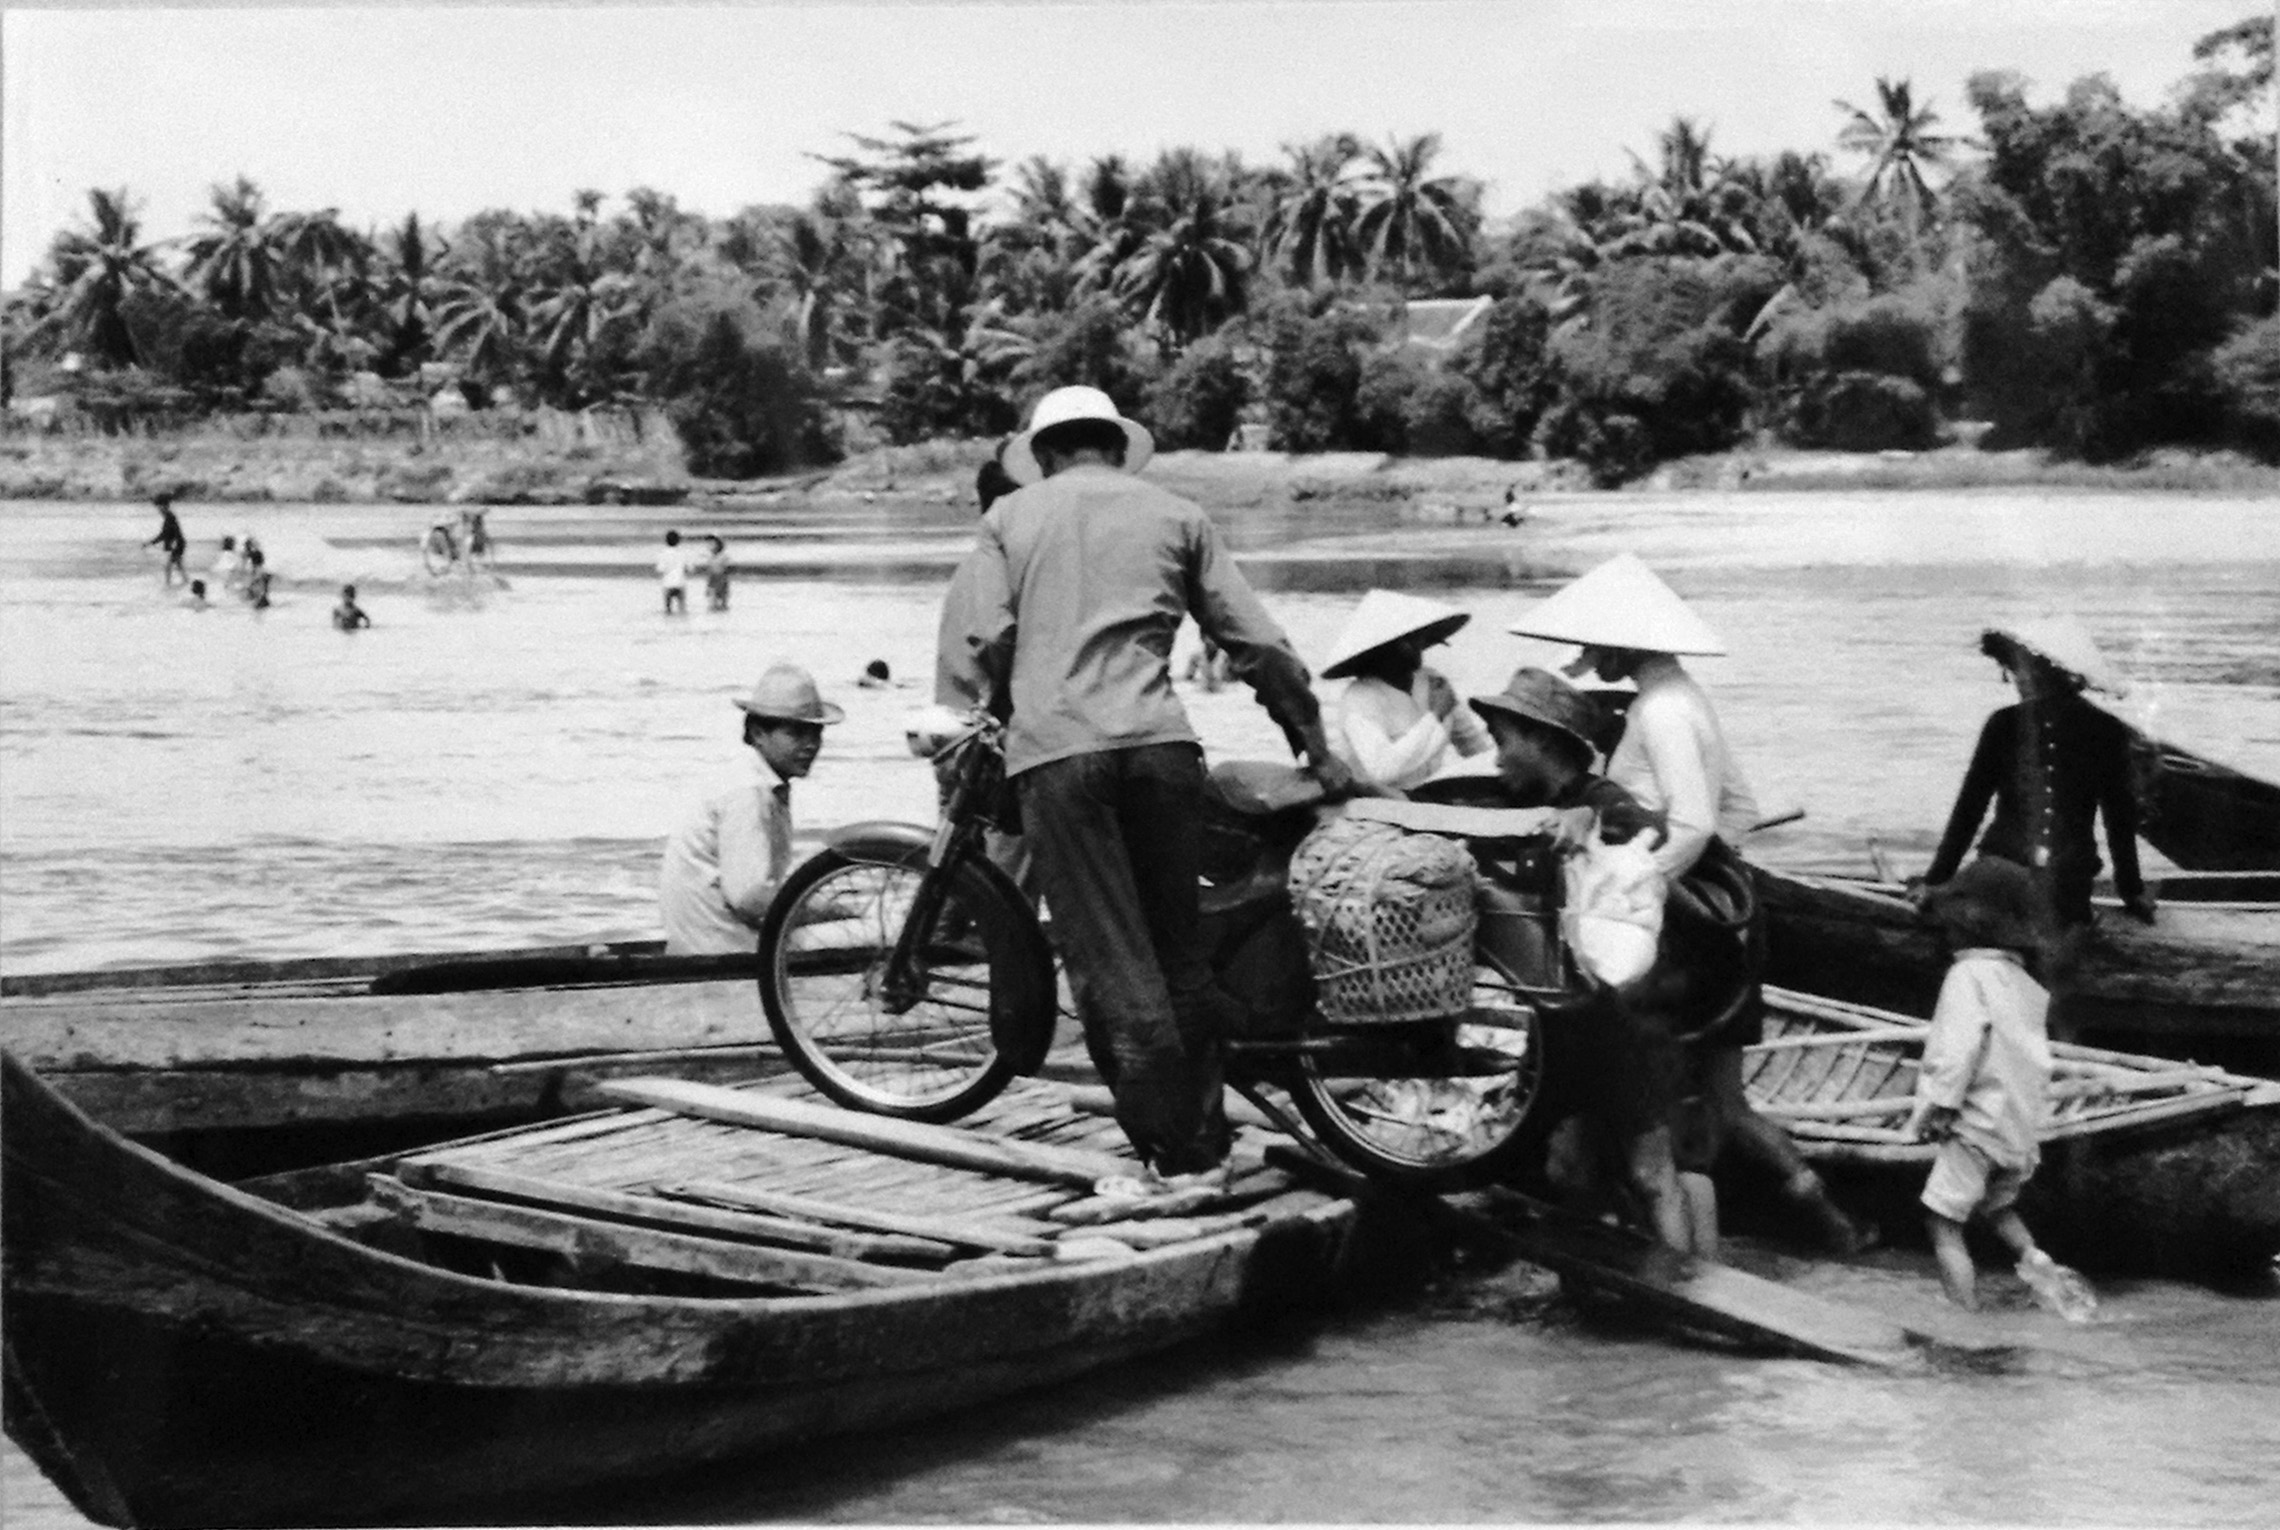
(1389, 919)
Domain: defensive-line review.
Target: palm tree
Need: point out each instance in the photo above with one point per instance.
(1311, 211)
(816, 268)
(1899, 141)
(409, 291)
(236, 263)
(572, 305)
(1112, 228)
(480, 314)
(1416, 226)
(1187, 276)
(324, 285)
(95, 270)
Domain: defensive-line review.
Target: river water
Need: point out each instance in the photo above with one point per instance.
(497, 766)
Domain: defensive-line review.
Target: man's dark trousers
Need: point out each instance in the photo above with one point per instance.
(1117, 840)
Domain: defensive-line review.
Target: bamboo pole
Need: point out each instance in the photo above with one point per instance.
(963, 1231)
(879, 1134)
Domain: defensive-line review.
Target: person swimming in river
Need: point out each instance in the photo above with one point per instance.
(348, 616)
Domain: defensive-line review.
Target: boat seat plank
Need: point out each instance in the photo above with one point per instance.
(590, 1241)
(963, 1231)
(910, 1139)
(685, 1218)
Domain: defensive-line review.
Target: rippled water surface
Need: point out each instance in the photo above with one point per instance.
(475, 772)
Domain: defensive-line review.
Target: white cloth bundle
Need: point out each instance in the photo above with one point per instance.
(1614, 909)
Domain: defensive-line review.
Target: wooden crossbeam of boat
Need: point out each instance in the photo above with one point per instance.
(965, 1232)
(2142, 1115)
(573, 1061)
(674, 1215)
(1821, 1039)
(1836, 1110)
(594, 1243)
(879, 1134)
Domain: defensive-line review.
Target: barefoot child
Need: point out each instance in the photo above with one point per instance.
(1982, 1088)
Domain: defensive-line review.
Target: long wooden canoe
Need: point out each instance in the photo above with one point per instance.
(498, 1327)
(2148, 1164)
(2202, 982)
(430, 1045)
(2203, 815)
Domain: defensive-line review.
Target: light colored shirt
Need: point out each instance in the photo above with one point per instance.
(1673, 758)
(1067, 607)
(1426, 745)
(673, 568)
(1987, 1056)
(722, 868)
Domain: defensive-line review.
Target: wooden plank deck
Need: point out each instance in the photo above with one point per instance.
(745, 1183)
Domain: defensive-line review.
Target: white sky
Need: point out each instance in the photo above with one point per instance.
(447, 109)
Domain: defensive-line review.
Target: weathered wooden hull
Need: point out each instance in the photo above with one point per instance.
(2202, 983)
(427, 1045)
(2167, 1171)
(183, 1353)
(2203, 815)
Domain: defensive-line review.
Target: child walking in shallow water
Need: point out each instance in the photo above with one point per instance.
(716, 575)
(1982, 1088)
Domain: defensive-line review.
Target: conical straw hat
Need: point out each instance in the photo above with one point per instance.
(2065, 644)
(1620, 604)
(1383, 616)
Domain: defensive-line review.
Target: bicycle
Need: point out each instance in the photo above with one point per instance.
(441, 552)
(904, 974)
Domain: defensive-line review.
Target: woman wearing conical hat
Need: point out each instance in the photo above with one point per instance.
(1673, 757)
(1399, 722)
(2052, 765)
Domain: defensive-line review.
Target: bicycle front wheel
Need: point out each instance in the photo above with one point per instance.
(824, 951)
(1443, 1132)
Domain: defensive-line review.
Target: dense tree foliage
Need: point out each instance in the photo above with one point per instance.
(2085, 274)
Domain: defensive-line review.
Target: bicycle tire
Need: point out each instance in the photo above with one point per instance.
(1441, 1133)
(824, 947)
(437, 554)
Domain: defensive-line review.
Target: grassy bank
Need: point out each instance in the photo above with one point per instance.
(563, 461)
(352, 459)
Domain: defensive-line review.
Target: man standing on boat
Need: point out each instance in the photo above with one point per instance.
(724, 864)
(1067, 608)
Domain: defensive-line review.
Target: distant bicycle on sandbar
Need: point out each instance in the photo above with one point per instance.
(460, 545)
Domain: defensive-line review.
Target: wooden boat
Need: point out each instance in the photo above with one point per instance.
(425, 1045)
(2203, 815)
(2147, 1164)
(496, 1328)
(2202, 982)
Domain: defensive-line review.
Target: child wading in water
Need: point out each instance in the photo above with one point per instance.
(716, 575)
(1983, 1086)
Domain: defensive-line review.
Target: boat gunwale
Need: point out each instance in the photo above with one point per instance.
(287, 1221)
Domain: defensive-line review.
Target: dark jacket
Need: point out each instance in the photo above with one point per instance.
(2050, 769)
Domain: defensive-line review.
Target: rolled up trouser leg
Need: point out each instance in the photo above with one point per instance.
(1073, 811)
